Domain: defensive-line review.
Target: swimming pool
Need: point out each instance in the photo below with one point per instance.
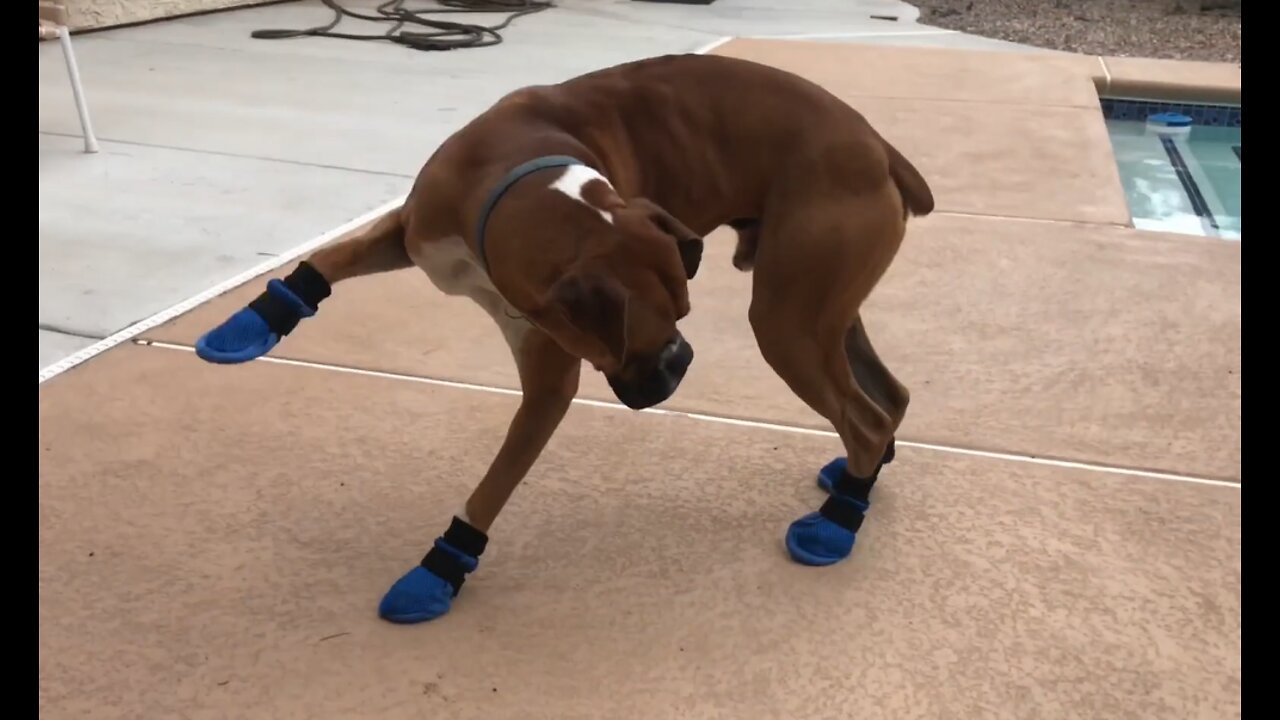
(1177, 181)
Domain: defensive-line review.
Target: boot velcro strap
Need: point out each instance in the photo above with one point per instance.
(280, 315)
(456, 553)
(853, 487)
(843, 511)
(449, 564)
(466, 538)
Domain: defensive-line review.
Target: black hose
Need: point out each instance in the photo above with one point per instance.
(443, 35)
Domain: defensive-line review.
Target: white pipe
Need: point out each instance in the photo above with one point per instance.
(90, 141)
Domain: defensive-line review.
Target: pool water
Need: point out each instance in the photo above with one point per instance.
(1186, 184)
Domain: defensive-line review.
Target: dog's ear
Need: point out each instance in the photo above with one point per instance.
(595, 306)
(688, 243)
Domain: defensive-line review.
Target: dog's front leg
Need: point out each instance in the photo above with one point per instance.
(549, 379)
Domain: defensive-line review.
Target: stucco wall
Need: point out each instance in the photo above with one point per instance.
(84, 14)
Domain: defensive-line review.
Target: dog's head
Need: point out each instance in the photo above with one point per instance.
(617, 304)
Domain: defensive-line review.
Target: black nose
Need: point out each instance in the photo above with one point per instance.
(660, 383)
(676, 358)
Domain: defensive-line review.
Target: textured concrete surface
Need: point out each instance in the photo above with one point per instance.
(931, 38)
(759, 17)
(1203, 74)
(215, 540)
(1042, 338)
(324, 129)
(1172, 80)
(56, 345)
(1020, 161)
(995, 133)
(177, 222)
(86, 14)
(855, 71)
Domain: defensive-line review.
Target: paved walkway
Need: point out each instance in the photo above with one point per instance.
(1058, 537)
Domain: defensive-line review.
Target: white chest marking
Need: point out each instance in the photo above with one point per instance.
(454, 270)
(572, 181)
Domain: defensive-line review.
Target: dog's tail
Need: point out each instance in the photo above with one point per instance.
(917, 198)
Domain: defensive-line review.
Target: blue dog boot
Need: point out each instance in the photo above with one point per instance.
(836, 468)
(254, 330)
(427, 591)
(826, 537)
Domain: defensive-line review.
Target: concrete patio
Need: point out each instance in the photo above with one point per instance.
(1060, 536)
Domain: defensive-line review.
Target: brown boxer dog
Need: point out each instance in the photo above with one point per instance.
(573, 214)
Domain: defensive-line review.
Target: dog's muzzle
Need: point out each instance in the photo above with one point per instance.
(660, 382)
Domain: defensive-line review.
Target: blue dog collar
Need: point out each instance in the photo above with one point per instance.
(511, 178)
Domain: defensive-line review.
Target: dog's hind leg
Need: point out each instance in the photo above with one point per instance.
(255, 329)
(876, 381)
(549, 381)
(813, 273)
(812, 363)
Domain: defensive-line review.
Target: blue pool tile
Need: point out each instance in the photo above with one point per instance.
(1200, 114)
